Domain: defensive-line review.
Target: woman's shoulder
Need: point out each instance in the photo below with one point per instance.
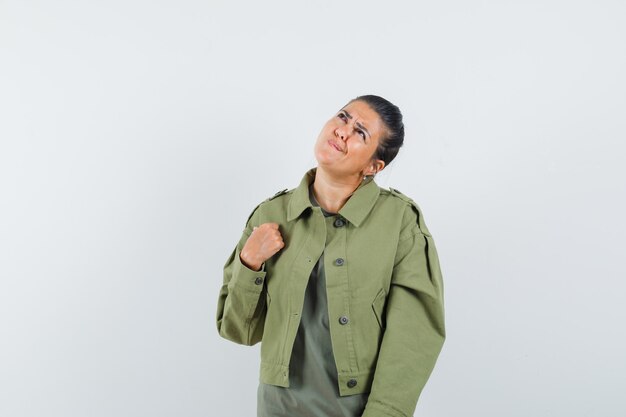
(394, 196)
(394, 192)
(273, 206)
(278, 198)
(411, 211)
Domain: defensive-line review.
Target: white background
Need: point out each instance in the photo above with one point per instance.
(137, 136)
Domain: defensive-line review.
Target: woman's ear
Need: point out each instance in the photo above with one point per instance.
(376, 166)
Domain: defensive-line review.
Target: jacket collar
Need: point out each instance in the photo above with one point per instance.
(355, 210)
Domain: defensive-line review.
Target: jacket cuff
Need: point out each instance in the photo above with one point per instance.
(246, 278)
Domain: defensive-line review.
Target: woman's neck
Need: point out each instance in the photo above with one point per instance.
(331, 192)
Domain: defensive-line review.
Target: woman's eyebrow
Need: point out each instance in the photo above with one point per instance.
(363, 127)
(359, 125)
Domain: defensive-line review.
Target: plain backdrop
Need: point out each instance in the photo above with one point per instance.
(137, 136)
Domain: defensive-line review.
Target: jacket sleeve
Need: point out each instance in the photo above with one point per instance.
(241, 303)
(415, 330)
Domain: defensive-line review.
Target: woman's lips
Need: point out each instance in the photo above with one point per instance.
(334, 145)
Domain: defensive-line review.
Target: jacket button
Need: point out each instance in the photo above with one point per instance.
(339, 222)
(352, 383)
(258, 281)
(343, 320)
(339, 261)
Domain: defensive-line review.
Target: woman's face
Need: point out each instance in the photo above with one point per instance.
(349, 139)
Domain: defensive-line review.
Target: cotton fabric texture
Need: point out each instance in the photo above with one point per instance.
(384, 291)
(312, 372)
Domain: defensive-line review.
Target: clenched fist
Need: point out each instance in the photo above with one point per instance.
(261, 245)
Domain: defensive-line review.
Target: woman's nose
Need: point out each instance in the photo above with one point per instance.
(342, 133)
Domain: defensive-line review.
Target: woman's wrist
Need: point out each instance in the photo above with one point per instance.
(255, 266)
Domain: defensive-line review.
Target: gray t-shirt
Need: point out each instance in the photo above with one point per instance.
(313, 390)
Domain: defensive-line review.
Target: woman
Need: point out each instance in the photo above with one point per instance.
(340, 280)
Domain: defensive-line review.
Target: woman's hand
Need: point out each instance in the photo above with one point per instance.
(261, 245)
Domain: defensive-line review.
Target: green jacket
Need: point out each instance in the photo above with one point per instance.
(384, 289)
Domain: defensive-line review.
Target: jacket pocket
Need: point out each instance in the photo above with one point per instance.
(378, 305)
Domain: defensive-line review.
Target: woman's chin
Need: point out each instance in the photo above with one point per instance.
(327, 162)
(332, 167)
(327, 158)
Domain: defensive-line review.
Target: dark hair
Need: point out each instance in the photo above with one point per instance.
(391, 116)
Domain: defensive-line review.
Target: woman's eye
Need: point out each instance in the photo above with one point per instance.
(362, 134)
(341, 116)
